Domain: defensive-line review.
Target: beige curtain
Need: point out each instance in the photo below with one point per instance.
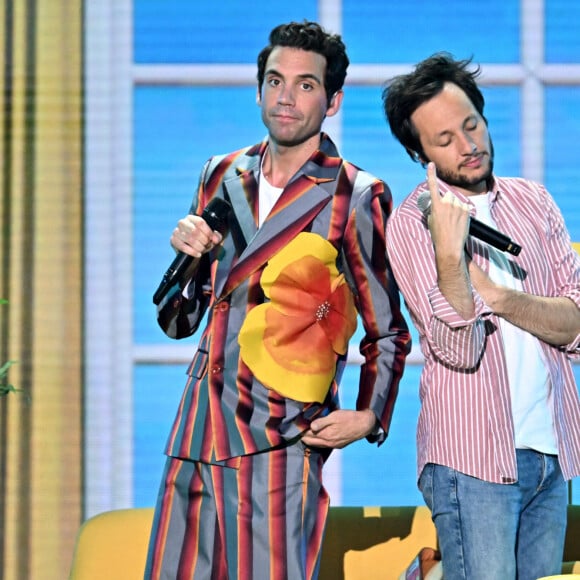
(41, 256)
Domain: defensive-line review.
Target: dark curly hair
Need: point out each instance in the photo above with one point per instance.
(309, 36)
(403, 94)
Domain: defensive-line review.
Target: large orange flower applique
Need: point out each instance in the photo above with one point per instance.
(291, 343)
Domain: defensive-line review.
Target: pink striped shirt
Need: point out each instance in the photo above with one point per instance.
(465, 420)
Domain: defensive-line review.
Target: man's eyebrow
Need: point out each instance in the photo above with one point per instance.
(311, 76)
(304, 76)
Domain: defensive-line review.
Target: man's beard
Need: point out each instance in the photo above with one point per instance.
(463, 181)
(457, 180)
(293, 140)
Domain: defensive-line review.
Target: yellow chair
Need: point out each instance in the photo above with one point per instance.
(561, 577)
(359, 543)
(113, 546)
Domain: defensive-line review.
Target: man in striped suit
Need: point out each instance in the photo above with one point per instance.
(242, 493)
(499, 426)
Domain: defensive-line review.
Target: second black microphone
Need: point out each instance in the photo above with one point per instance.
(477, 229)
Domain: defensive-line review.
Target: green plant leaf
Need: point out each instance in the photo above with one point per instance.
(4, 368)
(6, 388)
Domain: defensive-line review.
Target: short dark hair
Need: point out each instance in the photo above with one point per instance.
(312, 37)
(403, 94)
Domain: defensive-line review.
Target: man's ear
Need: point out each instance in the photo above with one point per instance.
(417, 157)
(335, 103)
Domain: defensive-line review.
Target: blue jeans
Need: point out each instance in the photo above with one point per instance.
(492, 531)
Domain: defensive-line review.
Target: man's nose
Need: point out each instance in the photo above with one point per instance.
(286, 95)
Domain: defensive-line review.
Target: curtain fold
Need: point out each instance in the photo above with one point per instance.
(41, 252)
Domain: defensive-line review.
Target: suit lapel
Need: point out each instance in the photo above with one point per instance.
(300, 202)
(242, 193)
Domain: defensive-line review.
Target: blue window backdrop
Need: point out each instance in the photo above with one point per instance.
(229, 31)
(562, 39)
(406, 32)
(561, 138)
(176, 128)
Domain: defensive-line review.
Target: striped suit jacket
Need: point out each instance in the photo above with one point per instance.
(225, 412)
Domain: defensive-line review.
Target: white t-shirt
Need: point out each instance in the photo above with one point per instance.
(267, 197)
(530, 388)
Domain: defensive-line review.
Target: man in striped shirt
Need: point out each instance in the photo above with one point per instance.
(499, 427)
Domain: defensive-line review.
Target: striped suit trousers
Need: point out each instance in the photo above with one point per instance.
(263, 519)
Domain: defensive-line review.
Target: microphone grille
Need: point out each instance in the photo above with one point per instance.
(216, 214)
(424, 202)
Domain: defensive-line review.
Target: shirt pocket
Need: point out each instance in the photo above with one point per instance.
(198, 366)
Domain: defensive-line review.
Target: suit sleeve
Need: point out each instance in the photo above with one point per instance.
(387, 340)
(181, 311)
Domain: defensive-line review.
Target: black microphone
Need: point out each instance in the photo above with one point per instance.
(216, 215)
(477, 229)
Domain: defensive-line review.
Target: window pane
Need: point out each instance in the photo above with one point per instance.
(182, 31)
(394, 32)
(384, 475)
(176, 129)
(156, 396)
(562, 37)
(561, 136)
(503, 113)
